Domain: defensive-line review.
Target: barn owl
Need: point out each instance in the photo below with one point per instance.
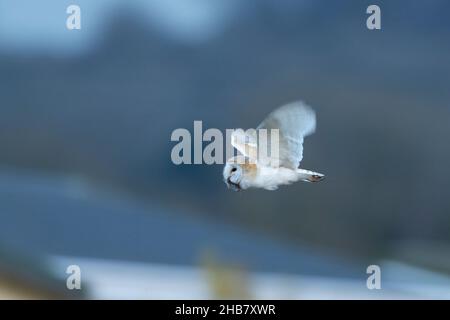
(293, 122)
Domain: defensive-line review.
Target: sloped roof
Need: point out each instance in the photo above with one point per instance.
(46, 215)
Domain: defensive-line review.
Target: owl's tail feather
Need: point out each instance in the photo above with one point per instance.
(309, 176)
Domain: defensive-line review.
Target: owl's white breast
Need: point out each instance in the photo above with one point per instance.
(270, 178)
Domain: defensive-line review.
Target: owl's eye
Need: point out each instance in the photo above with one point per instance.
(233, 170)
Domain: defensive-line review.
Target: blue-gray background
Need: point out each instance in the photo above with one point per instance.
(99, 105)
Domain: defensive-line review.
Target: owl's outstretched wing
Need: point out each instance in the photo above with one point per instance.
(294, 121)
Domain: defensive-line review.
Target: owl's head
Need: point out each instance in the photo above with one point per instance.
(238, 173)
(232, 175)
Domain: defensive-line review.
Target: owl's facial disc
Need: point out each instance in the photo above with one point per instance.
(233, 176)
(233, 186)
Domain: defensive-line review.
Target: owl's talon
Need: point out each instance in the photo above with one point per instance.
(316, 178)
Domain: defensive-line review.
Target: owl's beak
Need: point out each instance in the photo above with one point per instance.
(233, 186)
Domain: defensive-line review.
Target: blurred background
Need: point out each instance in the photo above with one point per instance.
(86, 176)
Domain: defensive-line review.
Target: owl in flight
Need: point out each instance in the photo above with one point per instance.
(292, 122)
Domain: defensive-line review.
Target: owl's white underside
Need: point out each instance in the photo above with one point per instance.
(271, 178)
